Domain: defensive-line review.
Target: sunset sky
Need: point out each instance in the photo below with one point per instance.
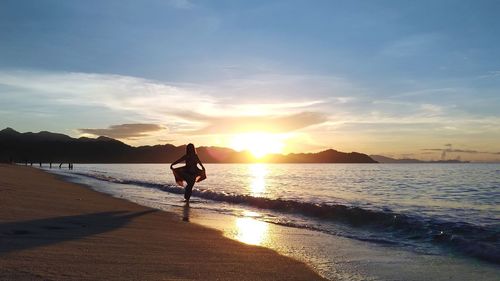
(398, 78)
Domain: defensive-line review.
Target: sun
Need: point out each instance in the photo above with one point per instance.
(259, 144)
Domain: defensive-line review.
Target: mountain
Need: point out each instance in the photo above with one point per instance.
(389, 160)
(9, 133)
(52, 147)
(327, 156)
(384, 159)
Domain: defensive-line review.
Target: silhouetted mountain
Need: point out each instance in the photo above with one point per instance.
(51, 147)
(9, 133)
(384, 159)
(389, 160)
(327, 156)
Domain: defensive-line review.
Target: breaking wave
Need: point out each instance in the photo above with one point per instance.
(473, 240)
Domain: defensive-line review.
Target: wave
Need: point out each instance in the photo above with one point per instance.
(478, 241)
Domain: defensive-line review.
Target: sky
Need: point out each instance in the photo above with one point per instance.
(417, 79)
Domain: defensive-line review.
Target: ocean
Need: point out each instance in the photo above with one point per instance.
(448, 212)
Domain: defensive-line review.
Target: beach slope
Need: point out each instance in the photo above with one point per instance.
(55, 230)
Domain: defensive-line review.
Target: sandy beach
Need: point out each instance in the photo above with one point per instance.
(55, 230)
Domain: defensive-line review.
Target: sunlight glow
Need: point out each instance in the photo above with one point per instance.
(259, 144)
(258, 173)
(251, 231)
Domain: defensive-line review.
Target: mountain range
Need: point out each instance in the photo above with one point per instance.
(389, 160)
(56, 148)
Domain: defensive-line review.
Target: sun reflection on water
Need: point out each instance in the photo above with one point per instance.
(258, 173)
(250, 230)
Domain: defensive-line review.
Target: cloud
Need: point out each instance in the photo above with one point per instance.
(495, 74)
(166, 140)
(332, 111)
(471, 151)
(125, 131)
(449, 149)
(151, 99)
(431, 109)
(240, 124)
(173, 104)
(412, 45)
(181, 4)
(453, 150)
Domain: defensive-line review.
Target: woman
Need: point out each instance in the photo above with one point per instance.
(190, 173)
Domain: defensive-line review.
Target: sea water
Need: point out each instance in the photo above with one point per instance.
(438, 210)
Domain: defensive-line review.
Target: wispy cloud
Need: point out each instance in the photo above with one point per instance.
(432, 109)
(412, 45)
(181, 4)
(494, 74)
(449, 149)
(172, 104)
(240, 124)
(125, 131)
(455, 150)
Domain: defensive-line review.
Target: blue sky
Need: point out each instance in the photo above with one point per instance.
(390, 77)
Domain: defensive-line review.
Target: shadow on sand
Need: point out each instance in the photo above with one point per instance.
(22, 235)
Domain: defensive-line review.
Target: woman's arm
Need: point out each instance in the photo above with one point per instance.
(201, 164)
(183, 158)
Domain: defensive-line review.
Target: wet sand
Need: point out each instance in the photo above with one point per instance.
(55, 230)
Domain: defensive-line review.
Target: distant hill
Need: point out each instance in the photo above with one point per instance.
(52, 147)
(385, 159)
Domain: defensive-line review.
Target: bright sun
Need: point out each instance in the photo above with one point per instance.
(259, 144)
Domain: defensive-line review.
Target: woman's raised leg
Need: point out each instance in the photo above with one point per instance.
(189, 188)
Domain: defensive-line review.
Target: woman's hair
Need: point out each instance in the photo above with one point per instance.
(190, 150)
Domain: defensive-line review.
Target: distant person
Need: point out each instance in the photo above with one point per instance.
(190, 173)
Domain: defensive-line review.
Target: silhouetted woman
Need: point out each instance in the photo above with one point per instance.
(190, 173)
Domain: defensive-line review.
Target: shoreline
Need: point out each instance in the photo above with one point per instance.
(332, 256)
(52, 229)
